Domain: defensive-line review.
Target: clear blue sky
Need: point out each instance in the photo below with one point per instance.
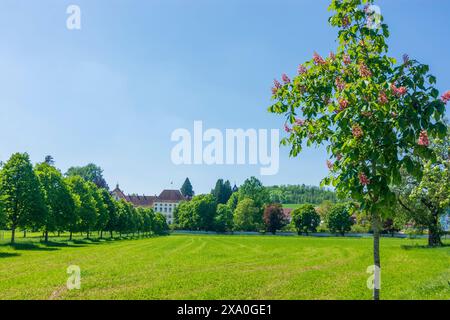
(113, 92)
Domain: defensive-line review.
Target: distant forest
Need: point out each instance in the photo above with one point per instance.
(300, 194)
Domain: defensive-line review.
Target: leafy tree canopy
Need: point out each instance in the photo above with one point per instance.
(91, 173)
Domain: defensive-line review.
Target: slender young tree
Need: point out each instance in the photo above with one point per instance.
(22, 202)
(371, 112)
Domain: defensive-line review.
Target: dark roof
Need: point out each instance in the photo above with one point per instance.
(148, 201)
(171, 195)
(141, 201)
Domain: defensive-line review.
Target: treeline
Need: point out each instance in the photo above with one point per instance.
(300, 194)
(246, 208)
(41, 198)
(254, 207)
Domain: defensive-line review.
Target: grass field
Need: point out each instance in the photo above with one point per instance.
(223, 267)
(291, 206)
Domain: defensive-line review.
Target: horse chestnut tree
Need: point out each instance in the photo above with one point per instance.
(374, 114)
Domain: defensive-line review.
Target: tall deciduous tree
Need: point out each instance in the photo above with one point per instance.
(223, 219)
(57, 198)
(186, 189)
(254, 189)
(101, 208)
(86, 204)
(425, 200)
(90, 172)
(111, 207)
(247, 216)
(372, 113)
(22, 198)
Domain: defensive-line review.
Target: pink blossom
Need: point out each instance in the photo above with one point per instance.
(423, 139)
(318, 59)
(364, 71)
(357, 131)
(446, 97)
(363, 179)
(339, 157)
(405, 59)
(401, 91)
(382, 98)
(276, 84)
(302, 69)
(330, 165)
(285, 78)
(287, 129)
(340, 84)
(299, 122)
(343, 104)
(332, 56)
(347, 59)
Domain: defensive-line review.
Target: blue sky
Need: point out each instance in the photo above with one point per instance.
(113, 92)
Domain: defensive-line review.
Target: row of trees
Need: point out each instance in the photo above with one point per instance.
(225, 208)
(41, 198)
(250, 208)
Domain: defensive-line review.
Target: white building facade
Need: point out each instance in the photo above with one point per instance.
(165, 203)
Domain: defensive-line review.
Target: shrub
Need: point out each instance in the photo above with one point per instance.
(305, 219)
(339, 219)
(274, 218)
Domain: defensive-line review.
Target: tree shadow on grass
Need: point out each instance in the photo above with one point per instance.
(8, 254)
(87, 241)
(27, 246)
(420, 246)
(53, 244)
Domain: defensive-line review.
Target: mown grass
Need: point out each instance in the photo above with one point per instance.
(222, 267)
(291, 205)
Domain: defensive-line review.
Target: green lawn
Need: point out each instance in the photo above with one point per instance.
(223, 267)
(291, 205)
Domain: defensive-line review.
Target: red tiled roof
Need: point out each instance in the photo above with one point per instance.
(148, 201)
(141, 201)
(171, 195)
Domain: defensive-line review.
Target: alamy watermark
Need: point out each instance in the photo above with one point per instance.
(74, 280)
(73, 21)
(373, 16)
(374, 281)
(232, 147)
